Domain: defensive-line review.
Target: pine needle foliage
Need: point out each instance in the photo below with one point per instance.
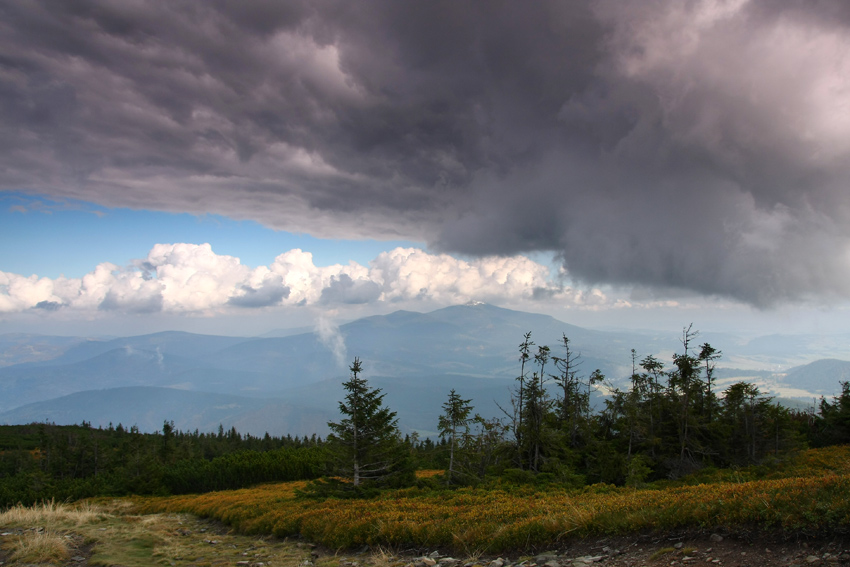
(366, 444)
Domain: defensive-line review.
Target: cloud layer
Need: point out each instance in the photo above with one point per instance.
(700, 145)
(192, 278)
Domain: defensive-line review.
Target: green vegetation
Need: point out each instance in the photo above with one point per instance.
(810, 492)
(366, 446)
(669, 423)
(455, 417)
(41, 461)
(668, 451)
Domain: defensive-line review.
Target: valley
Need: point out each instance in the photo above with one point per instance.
(290, 384)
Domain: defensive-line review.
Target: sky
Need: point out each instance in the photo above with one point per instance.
(231, 167)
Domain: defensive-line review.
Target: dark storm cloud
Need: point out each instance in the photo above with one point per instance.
(699, 145)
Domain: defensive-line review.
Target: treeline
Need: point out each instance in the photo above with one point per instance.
(670, 421)
(40, 461)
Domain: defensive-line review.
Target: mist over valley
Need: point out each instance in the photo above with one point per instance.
(291, 384)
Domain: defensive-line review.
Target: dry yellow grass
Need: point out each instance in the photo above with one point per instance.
(51, 512)
(429, 473)
(114, 534)
(813, 493)
(40, 547)
(815, 496)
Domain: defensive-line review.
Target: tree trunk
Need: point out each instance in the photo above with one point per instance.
(451, 460)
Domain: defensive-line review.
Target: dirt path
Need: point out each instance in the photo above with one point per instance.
(183, 540)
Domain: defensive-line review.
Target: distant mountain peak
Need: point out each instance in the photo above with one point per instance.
(473, 303)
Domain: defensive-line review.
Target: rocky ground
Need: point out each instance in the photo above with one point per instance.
(210, 543)
(735, 549)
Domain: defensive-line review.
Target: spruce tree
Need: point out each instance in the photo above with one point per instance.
(366, 443)
(453, 423)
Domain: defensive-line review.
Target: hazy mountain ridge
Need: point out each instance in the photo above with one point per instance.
(415, 357)
(150, 406)
(21, 348)
(177, 343)
(821, 376)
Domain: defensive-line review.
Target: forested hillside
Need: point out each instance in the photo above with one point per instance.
(42, 461)
(671, 421)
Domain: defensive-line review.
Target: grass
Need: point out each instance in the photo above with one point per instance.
(39, 547)
(662, 552)
(111, 531)
(813, 494)
(50, 512)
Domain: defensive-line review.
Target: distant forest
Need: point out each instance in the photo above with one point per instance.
(671, 422)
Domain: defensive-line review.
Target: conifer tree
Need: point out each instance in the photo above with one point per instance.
(574, 403)
(832, 426)
(654, 371)
(537, 405)
(745, 411)
(709, 355)
(366, 442)
(685, 388)
(519, 403)
(454, 422)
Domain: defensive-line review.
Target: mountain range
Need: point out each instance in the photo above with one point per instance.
(291, 383)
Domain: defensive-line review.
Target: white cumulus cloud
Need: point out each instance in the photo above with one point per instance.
(192, 278)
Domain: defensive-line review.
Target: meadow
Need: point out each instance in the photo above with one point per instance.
(809, 492)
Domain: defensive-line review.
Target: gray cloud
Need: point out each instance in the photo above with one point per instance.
(142, 303)
(272, 292)
(698, 145)
(344, 289)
